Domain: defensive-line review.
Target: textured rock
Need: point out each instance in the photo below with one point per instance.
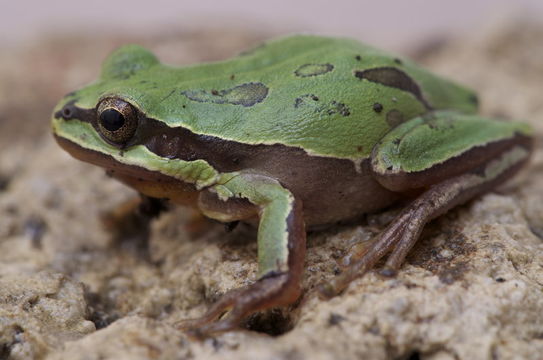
(471, 288)
(39, 312)
(134, 338)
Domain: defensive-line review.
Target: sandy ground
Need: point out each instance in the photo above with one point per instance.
(471, 288)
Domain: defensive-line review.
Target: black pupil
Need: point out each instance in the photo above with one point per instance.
(112, 120)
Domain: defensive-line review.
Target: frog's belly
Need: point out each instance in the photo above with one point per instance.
(331, 190)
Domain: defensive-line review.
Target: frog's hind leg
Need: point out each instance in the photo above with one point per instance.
(358, 263)
(451, 182)
(281, 251)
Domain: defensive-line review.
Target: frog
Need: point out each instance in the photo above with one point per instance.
(300, 133)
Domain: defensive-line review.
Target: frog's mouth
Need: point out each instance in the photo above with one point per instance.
(111, 165)
(151, 183)
(64, 136)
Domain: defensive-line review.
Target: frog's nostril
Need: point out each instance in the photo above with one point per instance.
(67, 112)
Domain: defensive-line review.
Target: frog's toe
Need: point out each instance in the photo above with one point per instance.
(357, 252)
(236, 305)
(206, 330)
(204, 325)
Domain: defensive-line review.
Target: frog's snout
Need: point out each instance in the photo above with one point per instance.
(66, 112)
(69, 111)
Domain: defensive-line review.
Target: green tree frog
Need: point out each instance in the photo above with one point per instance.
(300, 132)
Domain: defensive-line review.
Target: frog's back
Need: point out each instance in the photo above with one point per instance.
(328, 96)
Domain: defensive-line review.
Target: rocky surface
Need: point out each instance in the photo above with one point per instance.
(471, 288)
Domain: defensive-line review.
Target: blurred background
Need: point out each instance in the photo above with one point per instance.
(390, 23)
(48, 48)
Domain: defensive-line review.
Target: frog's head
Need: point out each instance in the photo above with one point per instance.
(104, 117)
(107, 123)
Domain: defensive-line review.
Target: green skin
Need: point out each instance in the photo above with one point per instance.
(302, 131)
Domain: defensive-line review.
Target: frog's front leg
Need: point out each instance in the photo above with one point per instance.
(281, 248)
(448, 158)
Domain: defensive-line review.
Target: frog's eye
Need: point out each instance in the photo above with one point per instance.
(117, 120)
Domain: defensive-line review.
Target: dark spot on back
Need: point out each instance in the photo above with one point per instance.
(339, 108)
(310, 102)
(398, 61)
(392, 77)
(394, 118)
(246, 95)
(313, 69)
(299, 101)
(377, 107)
(232, 77)
(358, 57)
